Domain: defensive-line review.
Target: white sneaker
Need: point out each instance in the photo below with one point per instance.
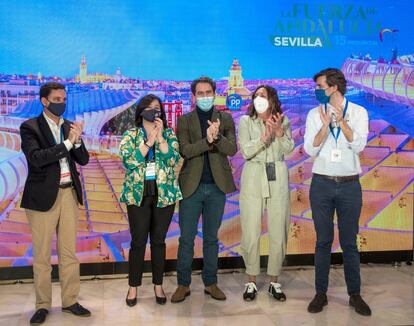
(250, 291)
(275, 290)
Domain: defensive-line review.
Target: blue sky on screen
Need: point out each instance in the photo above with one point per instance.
(184, 39)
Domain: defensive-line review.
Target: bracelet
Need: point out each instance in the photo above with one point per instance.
(145, 143)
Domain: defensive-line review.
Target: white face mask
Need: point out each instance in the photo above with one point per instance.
(260, 104)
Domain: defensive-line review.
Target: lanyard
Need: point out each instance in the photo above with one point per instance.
(150, 154)
(339, 129)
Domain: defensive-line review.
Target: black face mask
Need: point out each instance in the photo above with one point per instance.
(57, 108)
(150, 115)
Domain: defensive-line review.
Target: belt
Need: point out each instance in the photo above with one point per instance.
(66, 185)
(261, 162)
(338, 179)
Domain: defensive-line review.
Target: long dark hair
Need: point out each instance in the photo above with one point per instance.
(272, 97)
(143, 104)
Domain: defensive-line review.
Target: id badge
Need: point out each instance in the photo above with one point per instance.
(150, 171)
(336, 155)
(65, 173)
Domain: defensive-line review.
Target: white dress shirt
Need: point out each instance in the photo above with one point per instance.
(357, 119)
(57, 135)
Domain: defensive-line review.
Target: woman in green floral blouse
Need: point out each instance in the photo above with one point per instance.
(149, 153)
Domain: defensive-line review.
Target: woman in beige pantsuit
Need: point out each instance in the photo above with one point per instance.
(265, 138)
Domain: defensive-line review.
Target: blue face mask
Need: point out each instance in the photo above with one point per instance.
(321, 96)
(205, 103)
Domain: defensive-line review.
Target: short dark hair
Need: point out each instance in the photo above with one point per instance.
(144, 103)
(202, 79)
(272, 97)
(47, 88)
(334, 77)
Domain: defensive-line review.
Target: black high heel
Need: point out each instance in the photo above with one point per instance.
(131, 302)
(160, 300)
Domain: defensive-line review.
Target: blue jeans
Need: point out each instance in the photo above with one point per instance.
(208, 200)
(346, 197)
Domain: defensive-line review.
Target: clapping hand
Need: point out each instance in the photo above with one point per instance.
(159, 125)
(75, 132)
(325, 117)
(213, 130)
(268, 134)
(276, 122)
(152, 136)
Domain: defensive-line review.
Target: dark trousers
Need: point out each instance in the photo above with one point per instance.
(144, 219)
(346, 197)
(208, 200)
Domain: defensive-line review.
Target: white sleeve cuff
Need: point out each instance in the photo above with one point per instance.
(68, 144)
(311, 150)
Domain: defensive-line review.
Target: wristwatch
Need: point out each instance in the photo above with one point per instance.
(217, 139)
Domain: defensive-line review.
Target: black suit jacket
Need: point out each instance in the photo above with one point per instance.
(42, 155)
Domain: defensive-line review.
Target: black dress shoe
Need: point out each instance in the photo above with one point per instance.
(77, 310)
(131, 302)
(160, 300)
(319, 301)
(39, 317)
(359, 304)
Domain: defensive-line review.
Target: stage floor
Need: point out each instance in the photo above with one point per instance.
(388, 290)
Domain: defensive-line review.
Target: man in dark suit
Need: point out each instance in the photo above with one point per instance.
(51, 195)
(206, 137)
